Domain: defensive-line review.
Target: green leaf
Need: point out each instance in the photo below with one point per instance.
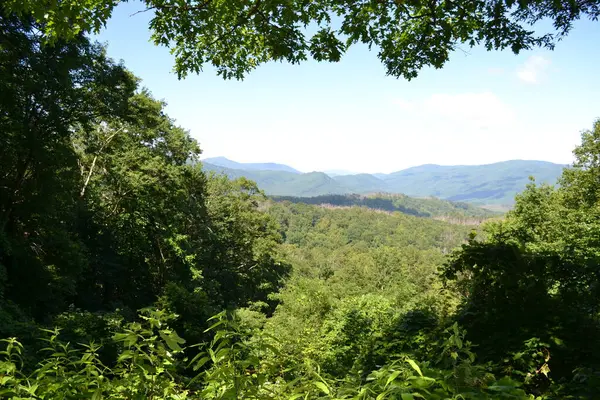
(414, 366)
(97, 394)
(382, 395)
(391, 378)
(323, 387)
(173, 340)
(210, 328)
(126, 355)
(200, 362)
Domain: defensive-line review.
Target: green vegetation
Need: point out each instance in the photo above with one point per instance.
(237, 36)
(101, 211)
(361, 183)
(489, 185)
(431, 208)
(128, 272)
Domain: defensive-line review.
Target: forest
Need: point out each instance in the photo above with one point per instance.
(127, 271)
(420, 207)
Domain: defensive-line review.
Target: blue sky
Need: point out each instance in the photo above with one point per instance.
(482, 107)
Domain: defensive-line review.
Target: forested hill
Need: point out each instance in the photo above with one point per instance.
(491, 184)
(463, 213)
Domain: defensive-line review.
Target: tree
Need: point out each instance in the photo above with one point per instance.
(237, 36)
(143, 205)
(103, 204)
(46, 90)
(535, 276)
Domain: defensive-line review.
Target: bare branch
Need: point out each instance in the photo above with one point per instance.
(142, 11)
(91, 171)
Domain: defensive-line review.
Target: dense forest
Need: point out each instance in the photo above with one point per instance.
(129, 272)
(424, 207)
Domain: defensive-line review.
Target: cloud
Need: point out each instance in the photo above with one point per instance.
(534, 69)
(473, 110)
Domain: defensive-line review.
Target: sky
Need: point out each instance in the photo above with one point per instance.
(482, 107)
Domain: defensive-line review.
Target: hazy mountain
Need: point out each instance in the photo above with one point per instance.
(284, 183)
(227, 163)
(491, 184)
(362, 183)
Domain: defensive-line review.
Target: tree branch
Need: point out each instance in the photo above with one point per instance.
(185, 7)
(91, 171)
(241, 20)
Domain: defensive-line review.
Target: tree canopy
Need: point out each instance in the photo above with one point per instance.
(236, 36)
(102, 203)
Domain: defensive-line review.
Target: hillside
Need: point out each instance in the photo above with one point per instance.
(431, 208)
(362, 183)
(492, 184)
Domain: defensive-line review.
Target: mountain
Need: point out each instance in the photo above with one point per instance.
(485, 184)
(491, 184)
(227, 163)
(284, 183)
(361, 183)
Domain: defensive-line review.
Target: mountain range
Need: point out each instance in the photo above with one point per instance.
(227, 163)
(490, 184)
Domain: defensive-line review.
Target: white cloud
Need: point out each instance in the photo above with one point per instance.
(534, 69)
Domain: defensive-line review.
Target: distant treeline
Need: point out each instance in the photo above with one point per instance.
(427, 208)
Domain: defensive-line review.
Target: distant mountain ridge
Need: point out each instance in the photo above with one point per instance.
(227, 163)
(490, 184)
(496, 183)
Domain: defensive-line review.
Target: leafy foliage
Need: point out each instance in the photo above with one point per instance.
(532, 284)
(103, 207)
(237, 36)
(150, 353)
(144, 369)
(363, 286)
